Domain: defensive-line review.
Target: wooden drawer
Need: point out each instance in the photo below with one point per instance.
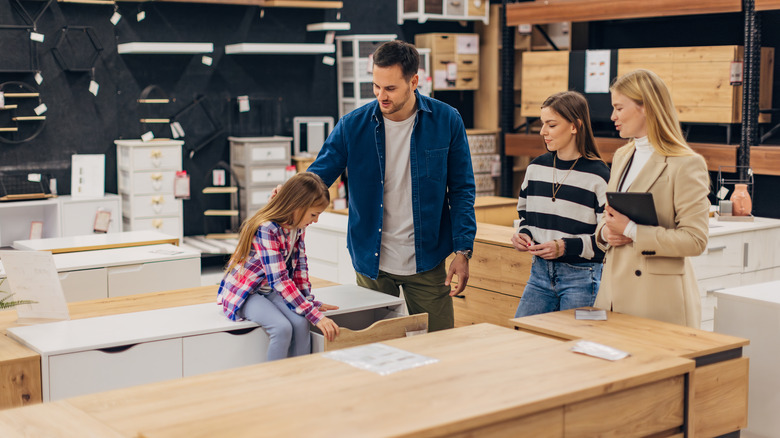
(468, 63)
(224, 350)
(441, 44)
(100, 370)
(642, 411)
(474, 306)
(150, 157)
(146, 182)
(253, 176)
(153, 277)
(357, 320)
(151, 205)
(468, 80)
(476, 8)
(87, 284)
(260, 150)
(720, 398)
(168, 225)
(724, 255)
(499, 268)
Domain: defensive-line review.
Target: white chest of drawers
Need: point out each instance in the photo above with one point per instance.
(110, 352)
(146, 172)
(259, 164)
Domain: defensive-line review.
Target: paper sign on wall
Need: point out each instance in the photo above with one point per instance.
(87, 178)
(33, 276)
(597, 71)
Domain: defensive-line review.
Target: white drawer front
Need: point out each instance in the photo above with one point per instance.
(260, 153)
(141, 183)
(262, 175)
(151, 205)
(150, 158)
(153, 277)
(224, 350)
(723, 256)
(93, 371)
(167, 225)
(87, 284)
(762, 276)
(708, 286)
(763, 249)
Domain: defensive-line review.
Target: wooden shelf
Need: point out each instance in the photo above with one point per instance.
(340, 25)
(765, 160)
(164, 48)
(219, 190)
(9, 107)
(552, 11)
(9, 129)
(27, 118)
(307, 4)
(716, 155)
(767, 5)
(220, 213)
(278, 48)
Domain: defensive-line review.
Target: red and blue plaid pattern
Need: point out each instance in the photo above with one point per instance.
(266, 267)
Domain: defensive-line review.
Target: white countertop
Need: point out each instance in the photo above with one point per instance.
(131, 328)
(765, 293)
(72, 261)
(719, 228)
(90, 240)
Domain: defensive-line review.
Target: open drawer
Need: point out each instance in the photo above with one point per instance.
(368, 326)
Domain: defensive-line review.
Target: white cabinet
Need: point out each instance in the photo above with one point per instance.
(753, 312)
(146, 172)
(738, 253)
(455, 10)
(100, 274)
(78, 215)
(109, 352)
(259, 164)
(326, 249)
(354, 76)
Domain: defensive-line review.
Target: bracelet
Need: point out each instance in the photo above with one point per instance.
(557, 248)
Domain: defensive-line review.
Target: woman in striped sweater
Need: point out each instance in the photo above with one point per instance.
(561, 201)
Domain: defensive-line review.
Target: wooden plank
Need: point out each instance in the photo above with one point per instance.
(720, 401)
(20, 378)
(310, 4)
(53, 420)
(553, 11)
(767, 5)
(475, 305)
(379, 331)
(766, 81)
(543, 73)
(765, 160)
(548, 424)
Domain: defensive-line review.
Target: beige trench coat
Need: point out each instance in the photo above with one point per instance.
(652, 276)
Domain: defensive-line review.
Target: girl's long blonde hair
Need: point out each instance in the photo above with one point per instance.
(647, 89)
(301, 192)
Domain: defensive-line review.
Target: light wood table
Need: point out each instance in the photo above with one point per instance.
(495, 210)
(488, 381)
(720, 380)
(20, 367)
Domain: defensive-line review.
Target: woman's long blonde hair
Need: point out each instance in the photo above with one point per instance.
(647, 89)
(301, 192)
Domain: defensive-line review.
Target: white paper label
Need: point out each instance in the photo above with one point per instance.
(140, 16)
(2, 100)
(206, 60)
(370, 63)
(218, 177)
(735, 77)
(115, 18)
(330, 36)
(38, 78)
(328, 60)
(524, 28)
(722, 193)
(243, 104)
(40, 109)
(597, 64)
(93, 87)
(452, 71)
(176, 130)
(148, 136)
(35, 36)
(34, 177)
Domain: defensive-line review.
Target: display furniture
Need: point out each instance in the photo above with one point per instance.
(454, 59)
(260, 164)
(92, 242)
(146, 173)
(354, 78)
(455, 10)
(753, 312)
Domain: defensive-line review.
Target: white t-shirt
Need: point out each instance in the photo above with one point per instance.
(397, 255)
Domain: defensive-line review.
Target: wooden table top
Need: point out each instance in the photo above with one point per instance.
(631, 332)
(485, 374)
(494, 234)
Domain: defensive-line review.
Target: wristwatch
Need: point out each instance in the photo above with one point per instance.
(465, 252)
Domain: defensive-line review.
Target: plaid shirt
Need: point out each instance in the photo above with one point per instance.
(265, 268)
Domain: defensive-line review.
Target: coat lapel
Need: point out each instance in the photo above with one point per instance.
(649, 173)
(618, 168)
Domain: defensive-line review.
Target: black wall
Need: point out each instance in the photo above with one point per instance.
(280, 87)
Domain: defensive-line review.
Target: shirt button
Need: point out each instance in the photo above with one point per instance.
(380, 230)
(382, 205)
(376, 254)
(638, 273)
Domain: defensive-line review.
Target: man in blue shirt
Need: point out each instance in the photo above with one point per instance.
(411, 188)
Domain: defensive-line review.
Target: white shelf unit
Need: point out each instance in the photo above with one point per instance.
(146, 173)
(260, 164)
(62, 217)
(278, 48)
(328, 26)
(164, 48)
(450, 10)
(355, 83)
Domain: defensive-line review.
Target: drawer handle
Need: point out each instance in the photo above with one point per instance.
(243, 331)
(456, 4)
(467, 79)
(716, 248)
(462, 297)
(714, 290)
(156, 176)
(118, 349)
(468, 61)
(157, 223)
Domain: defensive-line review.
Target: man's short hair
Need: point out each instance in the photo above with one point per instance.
(398, 52)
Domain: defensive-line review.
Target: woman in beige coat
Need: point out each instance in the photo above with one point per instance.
(647, 272)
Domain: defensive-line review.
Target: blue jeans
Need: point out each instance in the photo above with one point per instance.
(555, 286)
(288, 332)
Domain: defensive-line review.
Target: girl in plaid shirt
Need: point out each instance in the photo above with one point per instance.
(267, 278)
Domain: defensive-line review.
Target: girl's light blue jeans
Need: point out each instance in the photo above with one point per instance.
(555, 286)
(288, 332)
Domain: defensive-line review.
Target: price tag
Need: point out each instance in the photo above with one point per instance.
(330, 36)
(40, 109)
(176, 130)
(93, 87)
(722, 193)
(102, 220)
(206, 60)
(181, 185)
(2, 100)
(34, 177)
(35, 36)
(328, 60)
(218, 177)
(452, 71)
(38, 78)
(243, 104)
(735, 76)
(148, 136)
(115, 18)
(140, 16)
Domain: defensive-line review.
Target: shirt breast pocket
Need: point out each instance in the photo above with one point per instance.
(436, 163)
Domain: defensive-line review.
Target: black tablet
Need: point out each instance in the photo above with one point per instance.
(638, 207)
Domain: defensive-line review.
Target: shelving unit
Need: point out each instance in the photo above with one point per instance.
(164, 48)
(449, 10)
(278, 48)
(328, 26)
(355, 82)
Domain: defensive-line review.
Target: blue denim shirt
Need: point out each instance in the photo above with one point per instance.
(442, 182)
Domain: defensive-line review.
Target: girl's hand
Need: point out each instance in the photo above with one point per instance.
(548, 250)
(325, 307)
(328, 328)
(521, 241)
